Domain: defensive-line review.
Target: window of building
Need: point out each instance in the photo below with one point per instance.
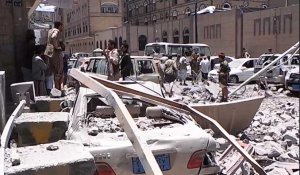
(264, 6)
(146, 21)
(142, 42)
(161, 16)
(287, 23)
(186, 36)
(227, 5)
(201, 6)
(101, 45)
(165, 36)
(174, 2)
(154, 19)
(167, 15)
(146, 9)
(174, 15)
(109, 7)
(187, 11)
(176, 36)
(276, 25)
(105, 44)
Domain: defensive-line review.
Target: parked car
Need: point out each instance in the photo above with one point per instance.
(179, 145)
(241, 70)
(278, 71)
(292, 79)
(80, 55)
(143, 68)
(81, 64)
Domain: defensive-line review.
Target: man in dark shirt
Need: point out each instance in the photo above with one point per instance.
(125, 62)
(223, 76)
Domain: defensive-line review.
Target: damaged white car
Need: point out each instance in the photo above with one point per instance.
(179, 145)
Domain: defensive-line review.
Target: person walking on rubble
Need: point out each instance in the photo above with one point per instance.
(205, 68)
(170, 72)
(182, 69)
(112, 56)
(54, 50)
(223, 76)
(194, 63)
(39, 68)
(125, 62)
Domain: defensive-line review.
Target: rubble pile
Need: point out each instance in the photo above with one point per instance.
(112, 125)
(274, 132)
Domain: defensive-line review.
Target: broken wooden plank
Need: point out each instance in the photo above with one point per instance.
(140, 145)
(174, 105)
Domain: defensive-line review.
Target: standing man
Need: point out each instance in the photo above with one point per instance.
(223, 76)
(205, 68)
(194, 67)
(126, 64)
(170, 71)
(112, 56)
(270, 51)
(245, 53)
(55, 53)
(182, 69)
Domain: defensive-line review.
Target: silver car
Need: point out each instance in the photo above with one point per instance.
(143, 68)
(179, 145)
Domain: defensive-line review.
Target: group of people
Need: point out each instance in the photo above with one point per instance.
(171, 69)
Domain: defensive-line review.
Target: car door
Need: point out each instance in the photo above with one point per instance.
(145, 71)
(248, 70)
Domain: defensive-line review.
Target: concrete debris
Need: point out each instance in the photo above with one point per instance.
(55, 93)
(280, 90)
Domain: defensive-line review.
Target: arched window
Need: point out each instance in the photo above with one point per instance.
(186, 36)
(142, 42)
(167, 15)
(109, 7)
(202, 6)
(146, 21)
(174, 15)
(176, 36)
(146, 7)
(101, 45)
(136, 9)
(105, 44)
(227, 5)
(165, 36)
(154, 18)
(187, 11)
(120, 41)
(264, 6)
(116, 41)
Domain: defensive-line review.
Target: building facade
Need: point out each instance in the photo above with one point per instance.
(86, 19)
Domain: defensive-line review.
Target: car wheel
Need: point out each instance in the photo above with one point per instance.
(233, 79)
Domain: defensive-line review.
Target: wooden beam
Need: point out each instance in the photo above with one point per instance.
(193, 112)
(133, 133)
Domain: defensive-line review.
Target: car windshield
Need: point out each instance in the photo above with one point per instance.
(145, 67)
(236, 63)
(152, 49)
(295, 60)
(71, 63)
(264, 59)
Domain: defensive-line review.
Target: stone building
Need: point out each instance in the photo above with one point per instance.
(228, 31)
(85, 19)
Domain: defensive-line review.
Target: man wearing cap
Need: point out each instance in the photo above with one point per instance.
(223, 76)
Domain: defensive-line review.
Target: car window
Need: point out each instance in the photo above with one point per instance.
(101, 69)
(295, 60)
(96, 65)
(90, 66)
(249, 64)
(133, 67)
(145, 67)
(267, 59)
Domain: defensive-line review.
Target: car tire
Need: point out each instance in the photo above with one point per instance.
(233, 79)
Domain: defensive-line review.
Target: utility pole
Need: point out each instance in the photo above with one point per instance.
(196, 23)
